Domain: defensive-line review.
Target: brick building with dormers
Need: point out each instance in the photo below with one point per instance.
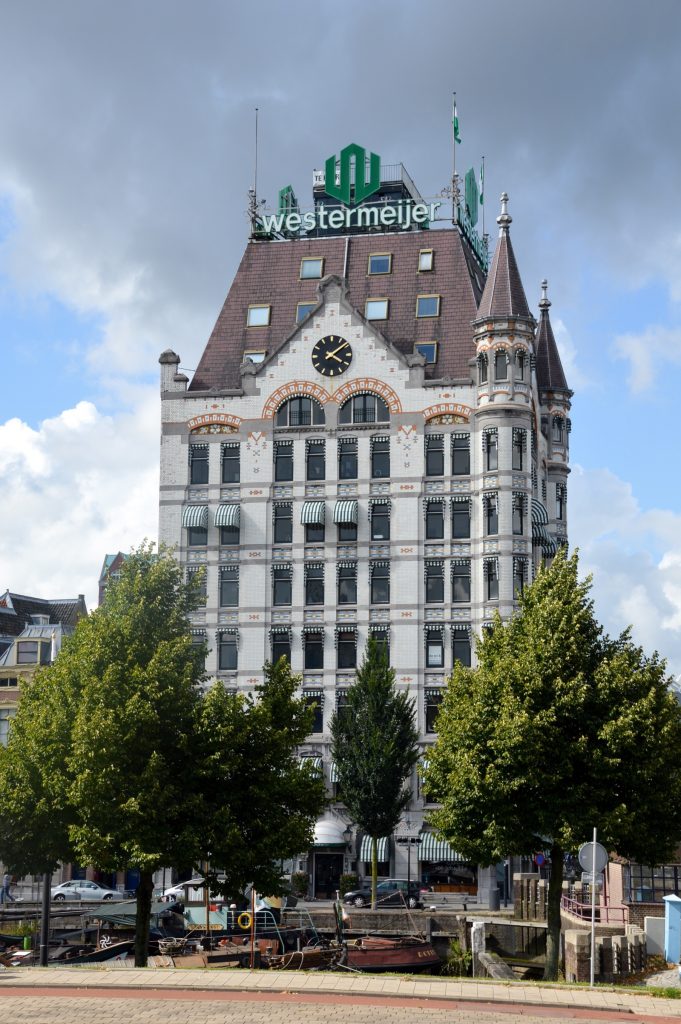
(375, 440)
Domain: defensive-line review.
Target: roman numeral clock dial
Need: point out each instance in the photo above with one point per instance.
(331, 355)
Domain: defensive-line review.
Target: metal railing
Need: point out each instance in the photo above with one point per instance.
(604, 914)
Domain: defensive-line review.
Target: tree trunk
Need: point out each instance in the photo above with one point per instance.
(374, 870)
(553, 915)
(144, 893)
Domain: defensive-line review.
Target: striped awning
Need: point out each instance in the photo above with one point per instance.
(313, 513)
(539, 513)
(315, 763)
(228, 515)
(542, 537)
(432, 848)
(345, 512)
(194, 515)
(333, 772)
(382, 849)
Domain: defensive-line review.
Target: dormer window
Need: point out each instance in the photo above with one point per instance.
(427, 349)
(425, 260)
(427, 306)
(40, 620)
(255, 357)
(258, 315)
(302, 309)
(380, 263)
(311, 268)
(376, 309)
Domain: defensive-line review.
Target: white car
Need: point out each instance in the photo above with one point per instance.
(81, 889)
(191, 889)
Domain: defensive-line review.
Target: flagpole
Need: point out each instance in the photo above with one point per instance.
(482, 183)
(454, 188)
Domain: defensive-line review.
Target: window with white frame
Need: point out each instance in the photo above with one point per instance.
(311, 268)
(379, 577)
(229, 587)
(461, 580)
(461, 454)
(434, 573)
(282, 584)
(258, 315)
(490, 445)
(435, 646)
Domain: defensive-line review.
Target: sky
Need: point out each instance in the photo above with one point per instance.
(126, 154)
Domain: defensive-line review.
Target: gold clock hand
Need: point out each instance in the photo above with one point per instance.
(340, 347)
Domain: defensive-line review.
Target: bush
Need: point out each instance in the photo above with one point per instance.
(299, 883)
(458, 960)
(347, 883)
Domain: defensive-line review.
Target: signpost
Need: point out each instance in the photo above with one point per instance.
(593, 858)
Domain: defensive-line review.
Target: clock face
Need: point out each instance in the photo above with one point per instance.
(331, 355)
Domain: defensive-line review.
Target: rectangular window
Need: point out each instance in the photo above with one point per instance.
(202, 592)
(490, 440)
(519, 440)
(500, 365)
(518, 514)
(558, 425)
(435, 454)
(229, 587)
(6, 716)
(315, 700)
(461, 519)
(315, 460)
(425, 260)
(381, 635)
(435, 520)
(282, 585)
(376, 309)
(461, 645)
(380, 263)
(380, 582)
(231, 464)
(347, 458)
(227, 652)
(302, 309)
(482, 369)
(313, 650)
(311, 268)
(380, 457)
(491, 579)
(347, 533)
(346, 651)
(256, 356)
(491, 514)
(433, 700)
(561, 494)
(27, 652)
(461, 581)
(198, 463)
(315, 533)
(461, 454)
(258, 316)
(427, 349)
(519, 576)
(380, 521)
(230, 535)
(199, 648)
(197, 536)
(347, 583)
(435, 582)
(520, 365)
(314, 584)
(435, 648)
(283, 522)
(283, 461)
(427, 305)
(281, 646)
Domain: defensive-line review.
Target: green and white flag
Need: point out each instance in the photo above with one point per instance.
(482, 182)
(455, 123)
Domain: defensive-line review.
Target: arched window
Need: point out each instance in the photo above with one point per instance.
(364, 409)
(300, 412)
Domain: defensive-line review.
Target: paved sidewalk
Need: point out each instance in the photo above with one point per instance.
(317, 982)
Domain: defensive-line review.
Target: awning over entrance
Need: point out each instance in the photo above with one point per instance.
(228, 515)
(329, 833)
(194, 515)
(313, 513)
(345, 512)
(432, 849)
(382, 849)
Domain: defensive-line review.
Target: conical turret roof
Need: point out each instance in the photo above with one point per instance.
(504, 294)
(550, 373)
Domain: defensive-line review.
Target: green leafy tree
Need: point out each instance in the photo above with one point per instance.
(374, 748)
(559, 729)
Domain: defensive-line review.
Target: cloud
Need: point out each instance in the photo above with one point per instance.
(635, 557)
(647, 353)
(568, 355)
(80, 485)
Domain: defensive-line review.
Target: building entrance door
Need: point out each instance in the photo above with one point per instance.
(328, 868)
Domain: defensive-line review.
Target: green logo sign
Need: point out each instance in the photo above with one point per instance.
(342, 189)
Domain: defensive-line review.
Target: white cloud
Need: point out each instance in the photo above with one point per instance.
(80, 485)
(635, 557)
(648, 352)
(568, 356)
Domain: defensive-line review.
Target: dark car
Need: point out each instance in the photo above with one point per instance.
(391, 892)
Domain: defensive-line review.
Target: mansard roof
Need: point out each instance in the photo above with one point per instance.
(550, 373)
(504, 295)
(269, 273)
(17, 611)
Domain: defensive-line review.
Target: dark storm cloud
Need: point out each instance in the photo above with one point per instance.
(127, 133)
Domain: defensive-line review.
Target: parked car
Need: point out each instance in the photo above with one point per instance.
(191, 889)
(391, 892)
(80, 889)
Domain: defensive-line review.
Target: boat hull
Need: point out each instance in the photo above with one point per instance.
(375, 954)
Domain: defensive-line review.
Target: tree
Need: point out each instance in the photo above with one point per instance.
(126, 760)
(558, 729)
(374, 748)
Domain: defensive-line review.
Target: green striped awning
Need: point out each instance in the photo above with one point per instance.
(315, 764)
(539, 513)
(541, 536)
(194, 515)
(228, 515)
(433, 849)
(333, 772)
(382, 849)
(313, 513)
(345, 512)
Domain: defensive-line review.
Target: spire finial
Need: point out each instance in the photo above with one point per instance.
(544, 302)
(504, 218)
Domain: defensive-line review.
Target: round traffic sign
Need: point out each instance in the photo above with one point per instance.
(539, 859)
(586, 857)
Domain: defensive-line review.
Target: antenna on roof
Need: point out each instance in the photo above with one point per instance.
(253, 192)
